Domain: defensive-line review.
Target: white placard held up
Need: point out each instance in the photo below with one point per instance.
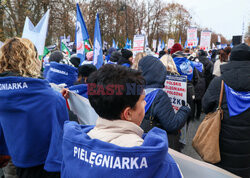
(192, 37)
(170, 43)
(205, 40)
(138, 44)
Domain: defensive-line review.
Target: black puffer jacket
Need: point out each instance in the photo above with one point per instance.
(154, 73)
(235, 131)
(208, 66)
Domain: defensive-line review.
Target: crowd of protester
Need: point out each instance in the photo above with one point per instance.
(40, 137)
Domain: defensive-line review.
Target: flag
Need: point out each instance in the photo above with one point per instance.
(65, 49)
(127, 44)
(37, 35)
(117, 45)
(186, 44)
(114, 45)
(213, 46)
(180, 40)
(130, 44)
(105, 45)
(159, 46)
(45, 52)
(87, 47)
(162, 44)
(81, 34)
(98, 56)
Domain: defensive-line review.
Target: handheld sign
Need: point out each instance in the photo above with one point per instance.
(170, 43)
(176, 88)
(138, 45)
(205, 40)
(192, 37)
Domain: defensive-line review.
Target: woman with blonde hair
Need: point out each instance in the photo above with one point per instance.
(168, 62)
(29, 109)
(138, 57)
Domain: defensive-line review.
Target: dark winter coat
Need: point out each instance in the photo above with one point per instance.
(235, 131)
(154, 73)
(208, 66)
(200, 86)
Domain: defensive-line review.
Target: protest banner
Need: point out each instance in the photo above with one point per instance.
(205, 40)
(170, 43)
(138, 45)
(176, 88)
(192, 37)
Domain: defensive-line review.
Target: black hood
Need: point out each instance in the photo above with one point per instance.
(236, 75)
(153, 71)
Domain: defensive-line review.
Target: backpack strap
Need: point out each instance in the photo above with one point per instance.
(221, 94)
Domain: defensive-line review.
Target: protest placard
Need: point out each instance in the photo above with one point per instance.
(205, 40)
(192, 37)
(170, 43)
(176, 88)
(138, 44)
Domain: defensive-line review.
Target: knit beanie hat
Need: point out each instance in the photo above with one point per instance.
(115, 56)
(75, 61)
(175, 48)
(90, 56)
(240, 52)
(86, 69)
(126, 53)
(111, 50)
(56, 56)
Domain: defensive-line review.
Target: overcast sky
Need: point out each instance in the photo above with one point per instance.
(222, 16)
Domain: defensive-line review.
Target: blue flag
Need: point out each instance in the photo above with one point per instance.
(130, 44)
(186, 44)
(81, 34)
(98, 56)
(162, 44)
(114, 45)
(127, 44)
(237, 102)
(180, 40)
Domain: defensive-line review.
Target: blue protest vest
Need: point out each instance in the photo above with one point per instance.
(88, 158)
(62, 73)
(29, 110)
(81, 89)
(184, 67)
(126, 65)
(150, 96)
(46, 69)
(198, 66)
(237, 102)
(110, 62)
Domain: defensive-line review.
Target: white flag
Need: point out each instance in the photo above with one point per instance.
(38, 33)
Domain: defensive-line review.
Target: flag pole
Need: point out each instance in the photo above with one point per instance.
(90, 42)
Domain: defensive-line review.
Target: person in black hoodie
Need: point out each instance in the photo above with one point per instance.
(126, 58)
(208, 66)
(235, 130)
(161, 109)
